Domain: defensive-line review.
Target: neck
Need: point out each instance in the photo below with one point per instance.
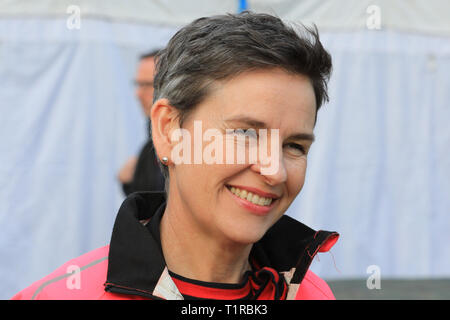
(195, 254)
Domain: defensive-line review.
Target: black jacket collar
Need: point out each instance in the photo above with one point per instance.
(136, 261)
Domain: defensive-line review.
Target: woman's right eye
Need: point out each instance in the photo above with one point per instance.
(248, 132)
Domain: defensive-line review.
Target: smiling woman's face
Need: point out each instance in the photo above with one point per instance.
(275, 98)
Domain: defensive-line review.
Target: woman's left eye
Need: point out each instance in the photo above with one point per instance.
(298, 147)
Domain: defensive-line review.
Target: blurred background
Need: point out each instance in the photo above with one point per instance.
(378, 173)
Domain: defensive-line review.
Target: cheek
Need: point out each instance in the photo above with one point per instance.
(296, 176)
(205, 181)
(192, 178)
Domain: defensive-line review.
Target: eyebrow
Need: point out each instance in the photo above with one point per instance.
(254, 123)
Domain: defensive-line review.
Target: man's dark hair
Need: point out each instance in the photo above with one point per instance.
(221, 47)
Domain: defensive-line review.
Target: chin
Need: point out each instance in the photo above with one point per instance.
(242, 227)
(246, 235)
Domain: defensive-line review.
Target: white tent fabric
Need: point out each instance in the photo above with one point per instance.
(69, 120)
(422, 16)
(379, 172)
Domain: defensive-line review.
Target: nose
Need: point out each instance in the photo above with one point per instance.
(279, 175)
(274, 171)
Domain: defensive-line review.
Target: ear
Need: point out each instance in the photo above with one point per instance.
(164, 120)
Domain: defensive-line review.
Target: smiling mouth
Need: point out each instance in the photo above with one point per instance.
(251, 197)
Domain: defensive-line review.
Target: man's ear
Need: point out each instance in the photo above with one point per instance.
(164, 120)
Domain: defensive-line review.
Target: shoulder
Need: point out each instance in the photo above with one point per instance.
(314, 288)
(79, 278)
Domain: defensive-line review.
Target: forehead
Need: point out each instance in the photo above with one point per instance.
(275, 97)
(146, 67)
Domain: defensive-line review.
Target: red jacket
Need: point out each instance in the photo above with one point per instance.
(132, 265)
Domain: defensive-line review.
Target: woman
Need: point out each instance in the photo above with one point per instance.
(218, 232)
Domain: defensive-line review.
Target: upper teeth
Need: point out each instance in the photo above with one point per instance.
(254, 198)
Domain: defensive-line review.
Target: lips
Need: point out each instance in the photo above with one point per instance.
(256, 191)
(253, 202)
(254, 198)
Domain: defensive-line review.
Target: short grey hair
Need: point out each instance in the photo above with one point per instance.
(220, 47)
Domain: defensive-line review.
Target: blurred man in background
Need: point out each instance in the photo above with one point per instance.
(142, 173)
